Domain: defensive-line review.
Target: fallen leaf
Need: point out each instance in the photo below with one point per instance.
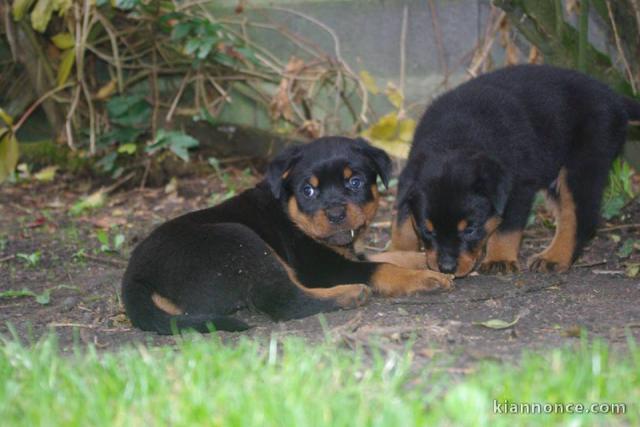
(632, 270)
(46, 174)
(394, 95)
(497, 323)
(93, 201)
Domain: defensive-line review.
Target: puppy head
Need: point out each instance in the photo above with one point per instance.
(455, 201)
(328, 187)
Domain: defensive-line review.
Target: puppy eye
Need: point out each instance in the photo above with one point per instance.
(469, 232)
(309, 191)
(355, 183)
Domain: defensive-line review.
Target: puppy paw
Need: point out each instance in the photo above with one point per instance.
(352, 296)
(499, 267)
(391, 280)
(434, 280)
(541, 264)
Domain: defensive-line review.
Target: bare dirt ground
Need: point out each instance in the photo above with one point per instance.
(82, 281)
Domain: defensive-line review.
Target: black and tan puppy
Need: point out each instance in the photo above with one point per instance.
(284, 247)
(483, 150)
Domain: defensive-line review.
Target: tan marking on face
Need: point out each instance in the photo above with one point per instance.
(347, 172)
(429, 225)
(404, 236)
(468, 260)
(561, 249)
(314, 181)
(405, 259)
(503, 246)
(166, 305)
(317, 226)
(391, 280)
(462, 224)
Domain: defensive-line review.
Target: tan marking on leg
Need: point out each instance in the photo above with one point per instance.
(166, 305)
(502, 253)
(347, 172)
(405, 259)
(404, 237)
(432, 259)
(391, 280)
(346, 296)
(558, 256)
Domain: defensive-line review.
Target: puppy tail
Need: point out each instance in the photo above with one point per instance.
(145, 315)
(633, 108)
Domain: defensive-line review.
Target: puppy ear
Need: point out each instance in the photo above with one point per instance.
(380, 159)
(494, 182)
(279, 168)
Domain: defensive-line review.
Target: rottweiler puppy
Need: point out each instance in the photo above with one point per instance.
(284, 247)
(482, 151)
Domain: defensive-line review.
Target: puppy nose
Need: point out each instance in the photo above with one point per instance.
(336, 214)
(447, 265)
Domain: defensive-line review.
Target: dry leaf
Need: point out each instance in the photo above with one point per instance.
(369, 82)
(497, 323)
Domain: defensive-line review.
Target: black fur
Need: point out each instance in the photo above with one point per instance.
(485, 148)
(212, 262)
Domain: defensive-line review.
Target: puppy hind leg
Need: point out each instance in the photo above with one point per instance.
(283, 297)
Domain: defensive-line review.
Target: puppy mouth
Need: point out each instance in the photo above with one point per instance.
(342, 238)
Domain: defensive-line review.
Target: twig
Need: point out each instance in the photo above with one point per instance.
(111, 262)
(37, 103)
(591, 264)
(174, 104)
(623, 57)
(442, 56)
(618, 227)
(7, 258)
(488, 44)
(403, 55)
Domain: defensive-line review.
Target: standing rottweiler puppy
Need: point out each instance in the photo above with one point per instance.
(284, 247)
(482, 151)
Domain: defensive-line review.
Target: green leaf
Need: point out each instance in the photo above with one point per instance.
(180, 31)
(369, 82)
(497, 323)
(92, 201)
(192, 45)
(44, 297)
(66, 64)
(124, 4)
(46, 174)
(103, 237)
(24, 292)
(63, 41)
(6, 118)
(129, 148)
(8, 154)
(41, 15)
(129, 110)
(118, 241)
(20, 8)
(178, 142)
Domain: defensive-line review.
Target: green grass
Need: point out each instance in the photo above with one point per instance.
(202, 382)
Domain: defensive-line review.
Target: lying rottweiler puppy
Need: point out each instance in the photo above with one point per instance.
(284, 247)
(483, 150)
